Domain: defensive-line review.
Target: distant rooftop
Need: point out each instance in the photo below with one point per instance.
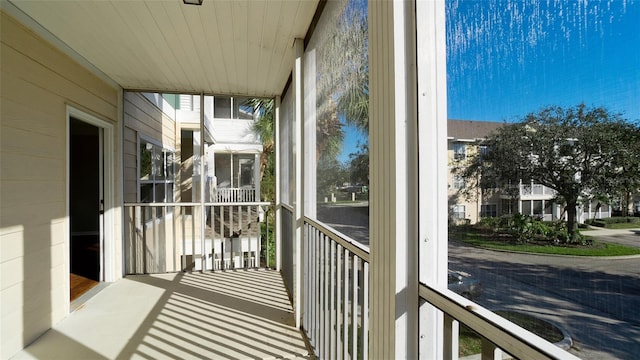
(471, 129)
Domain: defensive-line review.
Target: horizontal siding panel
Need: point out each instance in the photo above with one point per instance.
(27, 167)
(33, 47)
(34, 73)
(21, 114)
(31, 193)
(11, 243)
(30, 216)
(38, 145)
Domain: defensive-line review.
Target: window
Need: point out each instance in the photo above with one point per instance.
(489, 210)
(459, 212)
(526, 207)
(156, 173)
(459, 151)
(507, 206)
(242, 108)
(458, 182)
(225, 107)
(222, 107)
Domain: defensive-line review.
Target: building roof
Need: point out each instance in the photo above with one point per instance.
(471, 129)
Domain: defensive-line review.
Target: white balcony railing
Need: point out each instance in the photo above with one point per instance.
(163, 237)
(336, 306)
(232, 195)
(500, 337)
(336, 282)
(535, 190)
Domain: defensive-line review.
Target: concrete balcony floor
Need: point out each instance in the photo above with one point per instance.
(221, 315)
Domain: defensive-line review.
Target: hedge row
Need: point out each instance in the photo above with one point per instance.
(615, 220)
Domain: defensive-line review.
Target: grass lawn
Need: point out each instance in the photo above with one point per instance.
(596, 249)
(471, 343)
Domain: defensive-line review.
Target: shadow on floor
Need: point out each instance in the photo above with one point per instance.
(222, 315)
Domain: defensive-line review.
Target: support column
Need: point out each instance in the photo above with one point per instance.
(432, 124)
(203, 210)
(393, 177)
(278, 175)
(299, 176)
(256, 177)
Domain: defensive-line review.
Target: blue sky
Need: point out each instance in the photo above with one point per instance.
(508, 58)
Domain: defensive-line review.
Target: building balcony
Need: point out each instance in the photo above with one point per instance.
(178, 302)
(201, 315)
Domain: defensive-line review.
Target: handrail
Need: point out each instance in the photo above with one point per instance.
(286, 207)
(190, 236)
(253, 203)
(501, 332)
(345, 241)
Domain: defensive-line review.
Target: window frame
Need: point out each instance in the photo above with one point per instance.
(168, 179)
(457, 154)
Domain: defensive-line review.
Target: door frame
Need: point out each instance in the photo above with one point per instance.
(107, 246)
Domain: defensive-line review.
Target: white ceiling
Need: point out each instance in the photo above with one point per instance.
(222, 47)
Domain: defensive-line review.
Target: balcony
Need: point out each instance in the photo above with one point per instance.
(184, 304)
(221, 315)
(230, 195)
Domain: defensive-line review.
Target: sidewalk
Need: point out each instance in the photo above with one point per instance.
(596, 231)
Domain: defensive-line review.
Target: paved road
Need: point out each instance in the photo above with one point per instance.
(596, 300)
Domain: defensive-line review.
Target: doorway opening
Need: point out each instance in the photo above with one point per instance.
(86, 206)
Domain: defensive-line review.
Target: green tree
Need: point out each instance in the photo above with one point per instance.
(575, 151)
(359, 165)
(343, 83)
(334, 175)
(264, 127)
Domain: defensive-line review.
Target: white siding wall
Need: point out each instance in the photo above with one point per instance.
(38, 82)
(141, 117)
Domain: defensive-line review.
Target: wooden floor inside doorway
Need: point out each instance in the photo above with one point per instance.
(80, 285)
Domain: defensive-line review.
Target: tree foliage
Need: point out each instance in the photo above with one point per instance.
(342, 83)
(580, 152)
(264, 127)
(359, 165)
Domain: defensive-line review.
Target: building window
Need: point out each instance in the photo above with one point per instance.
(156, 173)
(489, 210)
(242, 108)
(225, 107)
(458, 182)
(507, 206)
(222, 107)
(459, 212)
(459, 151)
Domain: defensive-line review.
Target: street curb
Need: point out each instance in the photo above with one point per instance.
(622, 257)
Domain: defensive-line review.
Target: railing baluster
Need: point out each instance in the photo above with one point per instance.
(314, 288)
(490, 351)
(321, 295)
(354, 311)
(332, 301)
(162, 242)
(174, 236)
(345, 322)
(184, 239)
(451, 335)
(326, 313)
(339, 301)
(192, 264)
(365, 311)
